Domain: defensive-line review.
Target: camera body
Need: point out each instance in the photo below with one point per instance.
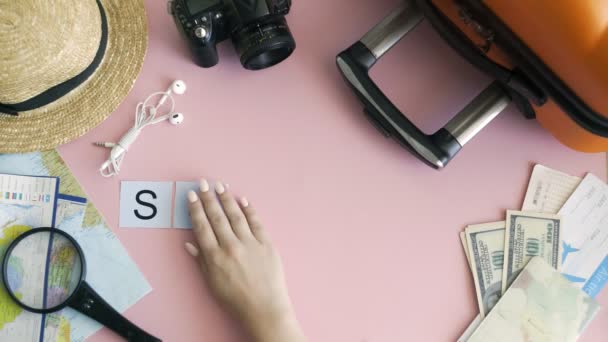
(257, 28)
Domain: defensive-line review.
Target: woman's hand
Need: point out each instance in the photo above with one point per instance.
(241, 267)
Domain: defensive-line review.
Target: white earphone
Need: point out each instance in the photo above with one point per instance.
(176, 118)
(177, 87)
(145, 115)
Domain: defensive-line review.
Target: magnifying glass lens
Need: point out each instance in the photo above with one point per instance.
(43, 270)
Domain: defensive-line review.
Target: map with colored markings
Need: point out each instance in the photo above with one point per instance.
(110, 270)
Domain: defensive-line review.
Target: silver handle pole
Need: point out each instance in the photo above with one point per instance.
(477, 114)
(392, 28)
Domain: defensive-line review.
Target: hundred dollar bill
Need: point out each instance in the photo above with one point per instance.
(463, 240)
(486, 245)
(529, 235)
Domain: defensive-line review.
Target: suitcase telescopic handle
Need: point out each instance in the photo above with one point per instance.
(435, 149)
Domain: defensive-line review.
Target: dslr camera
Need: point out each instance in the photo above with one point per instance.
(258, 29)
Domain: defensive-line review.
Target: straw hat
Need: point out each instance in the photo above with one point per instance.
(65, 65)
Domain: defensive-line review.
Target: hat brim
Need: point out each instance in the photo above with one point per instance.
(93, 101)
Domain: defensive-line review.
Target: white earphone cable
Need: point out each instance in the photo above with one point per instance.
(145, 115)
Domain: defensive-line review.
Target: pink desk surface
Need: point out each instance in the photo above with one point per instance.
(369, 234)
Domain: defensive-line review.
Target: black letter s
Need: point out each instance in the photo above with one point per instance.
(145, 204)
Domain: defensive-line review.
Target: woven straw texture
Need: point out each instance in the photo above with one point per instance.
(44, 43)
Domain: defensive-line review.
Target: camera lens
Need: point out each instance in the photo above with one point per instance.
(264, 43)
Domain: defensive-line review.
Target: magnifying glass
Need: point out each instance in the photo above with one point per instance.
(44, 271)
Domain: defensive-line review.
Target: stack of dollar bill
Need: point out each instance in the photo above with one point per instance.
(560, 222)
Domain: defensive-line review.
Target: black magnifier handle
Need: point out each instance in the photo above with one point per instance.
(88, 302)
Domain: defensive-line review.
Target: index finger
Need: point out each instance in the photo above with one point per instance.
(216, 215)
(200, 223)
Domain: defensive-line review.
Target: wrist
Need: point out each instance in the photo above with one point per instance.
(280, 327)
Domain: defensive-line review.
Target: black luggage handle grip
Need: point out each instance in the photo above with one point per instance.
(436, 149)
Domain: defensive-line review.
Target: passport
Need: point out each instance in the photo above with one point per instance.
(541, 306)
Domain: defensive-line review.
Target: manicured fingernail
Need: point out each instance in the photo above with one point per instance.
(219, 188)
(244, 202)
(204, 186)
(227, 186)
(191, 249)
(192, 197)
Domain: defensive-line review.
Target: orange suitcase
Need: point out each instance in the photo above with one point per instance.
(548, 57)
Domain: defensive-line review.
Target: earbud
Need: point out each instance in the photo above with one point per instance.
(145, 115)
(176, 118)
(178, 87)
